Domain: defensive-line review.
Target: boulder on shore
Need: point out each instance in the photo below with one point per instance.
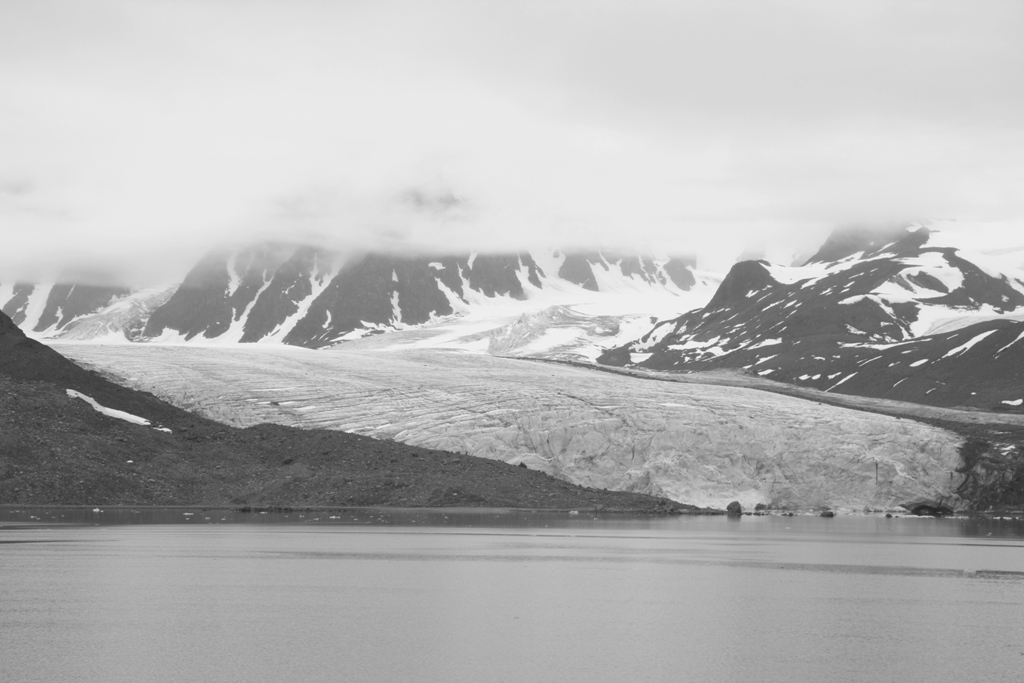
(926, 506)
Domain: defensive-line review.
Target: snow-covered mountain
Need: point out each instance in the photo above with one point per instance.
(908, 316)
(49, 309)
(304, 296)
(308, 297)
(564, 319)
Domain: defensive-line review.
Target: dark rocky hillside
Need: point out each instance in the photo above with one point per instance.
(56, 449)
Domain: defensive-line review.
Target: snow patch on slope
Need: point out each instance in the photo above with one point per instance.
(33, 310)
(321, 278)
(109, 412)
(969, 344)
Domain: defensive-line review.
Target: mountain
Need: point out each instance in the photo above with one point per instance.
(308, 297)
(49, 309)
(68, 436)
(549, 304)
(905, 315)
(122, 320)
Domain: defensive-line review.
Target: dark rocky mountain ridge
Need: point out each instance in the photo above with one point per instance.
(846, 242)
(314, 298)
(578, 268)
(855, 320)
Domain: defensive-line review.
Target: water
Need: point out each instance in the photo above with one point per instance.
(493, 596)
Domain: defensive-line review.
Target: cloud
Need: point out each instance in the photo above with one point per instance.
(15, 188)
(148, 132)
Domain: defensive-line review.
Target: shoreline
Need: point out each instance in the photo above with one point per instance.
(1008, 513)
(683, 510)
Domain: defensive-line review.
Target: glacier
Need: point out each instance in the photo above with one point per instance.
(694, 443)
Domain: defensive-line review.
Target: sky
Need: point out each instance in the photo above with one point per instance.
(137, 135)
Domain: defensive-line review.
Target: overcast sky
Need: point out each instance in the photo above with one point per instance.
(145, 132)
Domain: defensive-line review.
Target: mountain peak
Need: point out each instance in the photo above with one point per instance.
(847, 241)
(742, 279)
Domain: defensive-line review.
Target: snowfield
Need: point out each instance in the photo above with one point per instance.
(694, 443)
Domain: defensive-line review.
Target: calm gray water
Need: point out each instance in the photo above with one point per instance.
(507, 597)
